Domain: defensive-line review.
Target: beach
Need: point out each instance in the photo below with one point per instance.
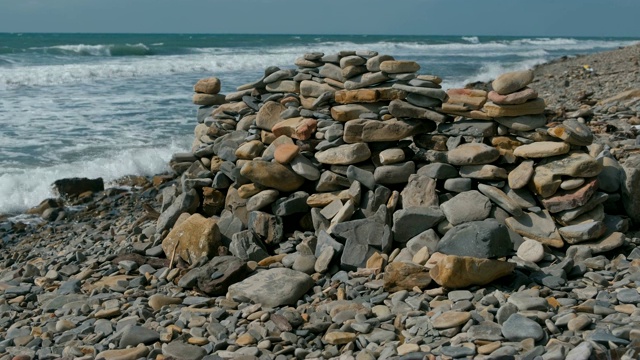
(105, 273)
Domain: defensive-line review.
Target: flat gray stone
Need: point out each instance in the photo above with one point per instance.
(273, 287)
(408, 223)
(183, 351)
(465, 207)
(518, 328)
(480, 239)
(134, 335)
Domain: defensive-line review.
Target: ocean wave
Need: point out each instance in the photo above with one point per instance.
(471, 39)
(21, 189)
(46, 75)
(98, 50)
(490, 70)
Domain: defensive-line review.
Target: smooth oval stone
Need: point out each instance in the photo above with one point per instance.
(542, 149)
(571, 184)
(531, 250)
(512, 81)
(451, 319)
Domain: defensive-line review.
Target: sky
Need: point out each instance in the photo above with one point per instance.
(391, 17)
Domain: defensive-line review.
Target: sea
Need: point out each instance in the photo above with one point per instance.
(109, 105)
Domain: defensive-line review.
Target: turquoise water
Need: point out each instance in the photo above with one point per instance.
(115, 104)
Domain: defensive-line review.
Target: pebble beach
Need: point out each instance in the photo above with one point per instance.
(349, 207)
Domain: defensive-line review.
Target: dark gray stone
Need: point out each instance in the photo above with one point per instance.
(229, 270)
(134, 335)
(481, 239)
(292, 204)
(246, 246)
(476, 128)
(183, 351)
(186, 202)
(366, 178)
(408, 223)
(325, 239)
(438, 171)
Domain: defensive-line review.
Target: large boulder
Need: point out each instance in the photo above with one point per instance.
(480, 239)
(194, 238)
(273, 287)
(75, 186)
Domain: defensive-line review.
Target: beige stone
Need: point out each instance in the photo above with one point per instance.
(520, 176)
(269, 115)
(472, 154)
(352, 111)
(193, 239)
(471, 99)
(344, 154)
(483, 172)
(124, 354)
(339, 337)
(250, 150)
(542, 149)
(208, 99)
(456, 272)
(399, 66)
(368, 95)
(207, 86)
(512, 81)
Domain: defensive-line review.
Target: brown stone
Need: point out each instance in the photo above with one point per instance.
(193, 239)
(531, 107)
(361, 130)
(368, 95)
(405, 276)
(272, 174)
(516, 98)
(212, 201)
(285, 153)
(207, 86)
(339, 337)
(296, 128)
(456, 272)
(483, 172)
(208, 99)
(571, 199)
(352, 111)
(470, 98)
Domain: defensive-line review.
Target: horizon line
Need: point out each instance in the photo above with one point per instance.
(308, 34)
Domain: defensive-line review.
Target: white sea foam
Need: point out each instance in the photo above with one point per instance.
(491, 70)
(97, 50)
(471, 39)
(24, 188)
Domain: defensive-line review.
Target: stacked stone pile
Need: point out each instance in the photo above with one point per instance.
(331, 211)
(355, 158)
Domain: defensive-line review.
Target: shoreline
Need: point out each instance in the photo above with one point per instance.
(105, 269)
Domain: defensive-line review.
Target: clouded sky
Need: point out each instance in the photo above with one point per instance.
(397, 17)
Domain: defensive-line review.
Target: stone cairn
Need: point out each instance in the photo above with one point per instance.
(354, 160)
